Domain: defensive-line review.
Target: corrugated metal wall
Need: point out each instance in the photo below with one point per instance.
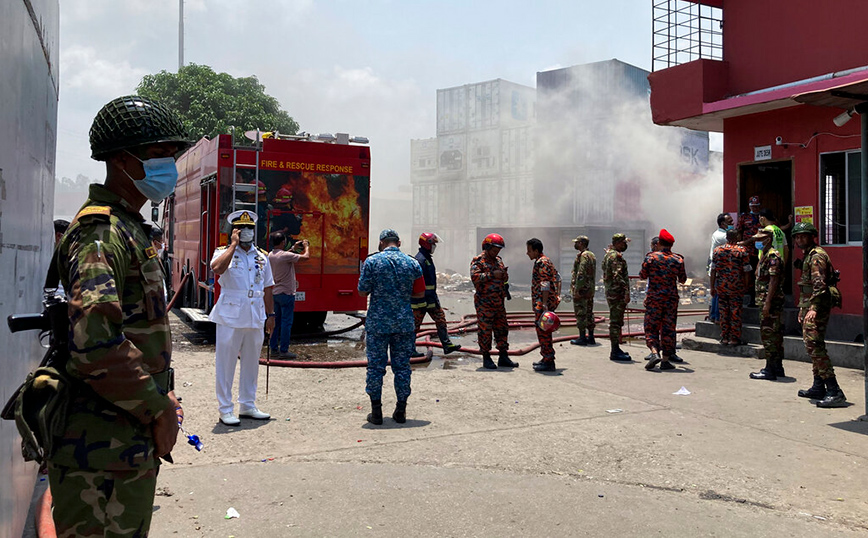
(28, 121)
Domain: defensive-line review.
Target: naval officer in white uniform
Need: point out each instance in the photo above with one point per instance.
(245, 304)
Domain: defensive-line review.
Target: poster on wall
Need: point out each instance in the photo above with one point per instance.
(805, 213)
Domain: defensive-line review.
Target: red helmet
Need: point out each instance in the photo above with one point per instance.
(428, 239)
(493, 240)
(549, 322)
(283, 196)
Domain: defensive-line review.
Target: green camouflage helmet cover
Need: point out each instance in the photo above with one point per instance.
(130, 121)
(804, 228)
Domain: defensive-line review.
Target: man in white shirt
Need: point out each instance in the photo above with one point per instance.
(245, 304)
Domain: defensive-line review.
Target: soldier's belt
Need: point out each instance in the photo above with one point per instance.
(165, 380)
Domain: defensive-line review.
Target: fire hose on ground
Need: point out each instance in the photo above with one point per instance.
(468, 324)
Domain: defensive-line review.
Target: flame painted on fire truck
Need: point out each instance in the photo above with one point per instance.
(311, 190)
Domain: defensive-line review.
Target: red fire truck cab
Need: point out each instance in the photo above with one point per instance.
(314, 188)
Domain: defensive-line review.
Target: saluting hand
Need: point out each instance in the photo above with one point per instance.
(236, 237)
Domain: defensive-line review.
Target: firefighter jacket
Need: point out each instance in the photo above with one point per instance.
(429, 272)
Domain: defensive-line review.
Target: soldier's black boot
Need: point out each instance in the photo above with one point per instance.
(834, 395)
(400, 414)
(416, 354)
(616, 353)
(778, 366)
(376, 414)
(582, 340)
(590, 340)
(487, 362)
(544, 366)
(767, 373)
(504, 360)
(817, 390)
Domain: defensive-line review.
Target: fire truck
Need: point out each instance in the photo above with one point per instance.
(309, 187)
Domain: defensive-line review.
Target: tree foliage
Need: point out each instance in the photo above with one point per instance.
(209, 103)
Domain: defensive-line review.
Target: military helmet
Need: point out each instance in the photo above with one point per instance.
(131, 121)
(804, 228)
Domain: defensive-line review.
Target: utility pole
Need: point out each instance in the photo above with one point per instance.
(180, 34)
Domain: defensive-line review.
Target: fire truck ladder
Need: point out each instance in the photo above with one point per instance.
(239, 188)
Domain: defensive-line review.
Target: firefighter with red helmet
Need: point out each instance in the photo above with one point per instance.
(490, 278)
(283, 219)
(430, 303)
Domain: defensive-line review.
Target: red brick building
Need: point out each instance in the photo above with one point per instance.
(772, 75)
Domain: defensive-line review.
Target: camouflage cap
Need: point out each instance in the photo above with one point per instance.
(581, 239)
(389, 234)
(619, 237)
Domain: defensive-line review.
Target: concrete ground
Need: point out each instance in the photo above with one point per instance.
(596, 449)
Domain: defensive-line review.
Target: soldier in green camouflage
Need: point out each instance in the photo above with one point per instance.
(582, 288)
(617, 282)
(123, 416)
(770, 297)
(815, 308)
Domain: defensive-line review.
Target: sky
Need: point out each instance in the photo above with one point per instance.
(366, 68)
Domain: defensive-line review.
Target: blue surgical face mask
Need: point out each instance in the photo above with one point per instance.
(730, 227)
(759, 245)
(161, 176)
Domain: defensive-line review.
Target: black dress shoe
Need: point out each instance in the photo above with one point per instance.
(765, 373)
(675, 358)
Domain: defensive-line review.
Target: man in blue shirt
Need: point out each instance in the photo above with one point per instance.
(391, 278)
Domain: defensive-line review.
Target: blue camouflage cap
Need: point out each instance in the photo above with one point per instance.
(389, 233)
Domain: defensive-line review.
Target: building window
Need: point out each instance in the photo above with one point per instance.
(840, 215)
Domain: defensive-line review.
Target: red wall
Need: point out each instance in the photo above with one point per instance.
(797, 125)
(772, 42)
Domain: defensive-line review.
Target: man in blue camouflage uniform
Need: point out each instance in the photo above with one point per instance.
(123, 417)
(391, 278)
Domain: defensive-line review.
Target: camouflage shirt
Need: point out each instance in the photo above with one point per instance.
(813, 286)
(615, 275)
(664, 270)
(545, 278)
(729, 265)
(119, 336)
(584, 275)
(771, 264)
(389, 277)
(480, 274)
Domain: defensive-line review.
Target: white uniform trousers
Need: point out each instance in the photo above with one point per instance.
(231, 344)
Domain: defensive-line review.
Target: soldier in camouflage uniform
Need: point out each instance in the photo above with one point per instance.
(617, 282)
(392, 279)
(664, 270)
(490, 278)
(815, 308)
(729, 269)
(123, 415)
(583, 283)
(545, 295)
(770, 296)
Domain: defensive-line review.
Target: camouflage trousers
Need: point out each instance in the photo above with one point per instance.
(546, 347)
(772, 331)
(491, 318)
(661, 315)
(380, 346)
(439, 318)
(584, 310)
(102, 503)
(814, 335)
(617, 307)
(729, 313)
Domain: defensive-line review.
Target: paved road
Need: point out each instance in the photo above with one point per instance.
(597, 449)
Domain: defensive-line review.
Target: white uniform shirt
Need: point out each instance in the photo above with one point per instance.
(241, 304)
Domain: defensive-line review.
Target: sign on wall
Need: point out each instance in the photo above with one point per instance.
(804, 213)
(762, 153)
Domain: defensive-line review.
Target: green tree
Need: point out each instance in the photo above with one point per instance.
(209, 103)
